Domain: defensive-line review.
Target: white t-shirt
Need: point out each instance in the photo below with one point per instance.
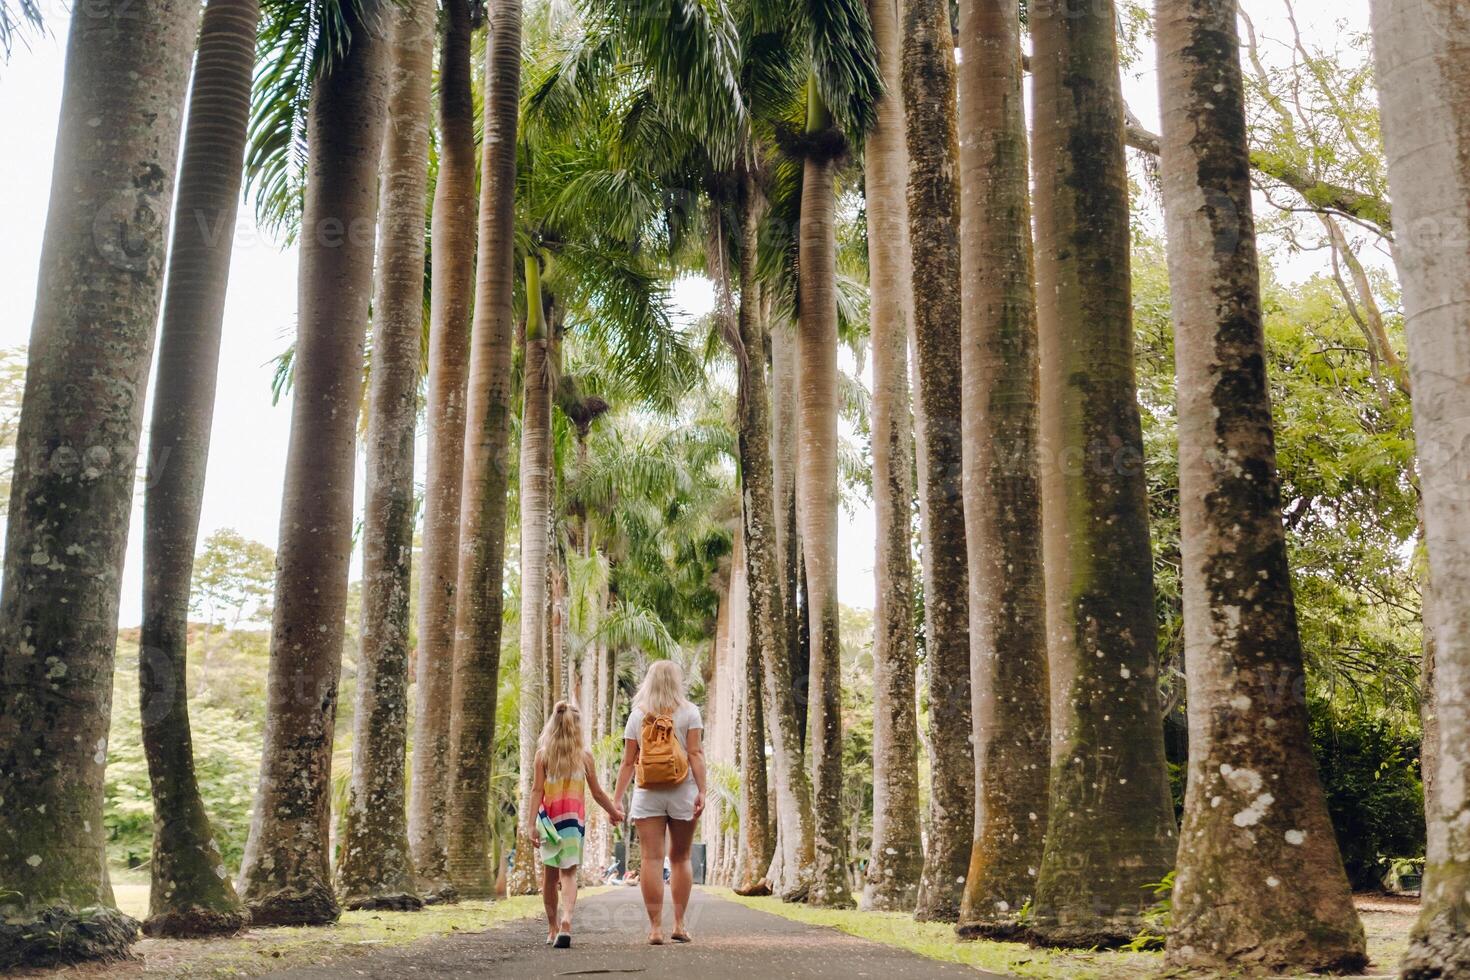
(685, 718)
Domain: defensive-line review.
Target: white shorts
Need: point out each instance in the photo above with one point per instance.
(676, 802)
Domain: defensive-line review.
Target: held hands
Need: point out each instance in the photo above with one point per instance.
(616, 814)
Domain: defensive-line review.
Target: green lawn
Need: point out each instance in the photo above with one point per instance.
(1387, 929)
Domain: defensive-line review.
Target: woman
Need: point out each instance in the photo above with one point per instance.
(669, 811)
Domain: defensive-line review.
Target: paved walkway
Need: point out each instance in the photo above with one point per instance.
(731, 942)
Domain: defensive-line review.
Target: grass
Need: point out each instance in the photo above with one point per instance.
(1387, 928)
(260, 951)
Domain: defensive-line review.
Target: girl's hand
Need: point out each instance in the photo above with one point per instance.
(616, 813)
(531, 830)
(699, 804)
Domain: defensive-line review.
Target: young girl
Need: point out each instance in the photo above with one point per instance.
(564, 772)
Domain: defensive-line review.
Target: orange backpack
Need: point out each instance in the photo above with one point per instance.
(662, 763)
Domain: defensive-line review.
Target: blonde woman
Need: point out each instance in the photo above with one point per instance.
(558, 814)
(670, 811)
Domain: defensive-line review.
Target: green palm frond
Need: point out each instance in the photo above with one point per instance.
(631, 627)
(844, 63)
(299, 40)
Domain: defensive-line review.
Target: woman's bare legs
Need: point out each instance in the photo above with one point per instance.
(549, 877)
(568, 898)
(651, 873)
(681, 872)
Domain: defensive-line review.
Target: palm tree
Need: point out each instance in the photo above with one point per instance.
(842, 89)
(285, 873)
(1002, 476)
(929, 102)
(451, 297)
(897, 857)
(1422, 51)
(535, 500)
(375, 871)
(189, 897)
(76, 448)
(1110, 825)
(477, 623)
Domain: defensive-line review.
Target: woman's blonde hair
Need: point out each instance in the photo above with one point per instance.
(560, 744)
(662, 690)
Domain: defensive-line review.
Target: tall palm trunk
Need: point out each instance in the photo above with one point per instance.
(189, 897)
(453, 230)
(479, 595)
(286, 876)
(127, 66)
(1002, 476)
(535, 497)
(897, 858)
(783, 476)
(1254, 803)
(1423, 59)
(1110, 830)
(375, 871)
(929, 99)
(792, 859)
(816, 505)
(763, 630)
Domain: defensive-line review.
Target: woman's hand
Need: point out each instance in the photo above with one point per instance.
(699, 804)
(532, 830)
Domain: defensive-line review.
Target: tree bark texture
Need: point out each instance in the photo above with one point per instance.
(374, 870)
(816, 511)
(101, 271)
(928, 71)
(1002, 477)
(1422, 52)
(190, 894)
(1111, 830)
(897, 858)
(450, 302)
(535, 498)
(1254, 804)
(479, 594)
(285, 874)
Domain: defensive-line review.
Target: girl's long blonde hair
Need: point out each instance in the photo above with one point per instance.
(560, 744)
(662, 690)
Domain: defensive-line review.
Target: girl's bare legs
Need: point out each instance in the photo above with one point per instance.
(651, 873)
(568, 899)
(549, 877)
(681, 871)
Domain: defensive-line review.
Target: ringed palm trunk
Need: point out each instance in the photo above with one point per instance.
(929, 99)
(452, 294)
(189, 897)
(375, 871)
(792, 858)
(1002, 477)
(763, 629)
(897, 858)
(285, 874)
(1110, 829)
(101, 272)
(1254, 803)
(816, 506)
(535, 497)
(1422, 53)
(479, 598)
(783, 475)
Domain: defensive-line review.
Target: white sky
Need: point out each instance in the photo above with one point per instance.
(248, 452)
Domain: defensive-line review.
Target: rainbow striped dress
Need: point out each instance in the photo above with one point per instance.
(564, 807)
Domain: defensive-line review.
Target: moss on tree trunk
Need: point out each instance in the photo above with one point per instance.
(101, 271)
(1002, 478)
(285, 875)
(929, 105)
(191, 892)
(451, 299)
(1110, 831)
(477, 629)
